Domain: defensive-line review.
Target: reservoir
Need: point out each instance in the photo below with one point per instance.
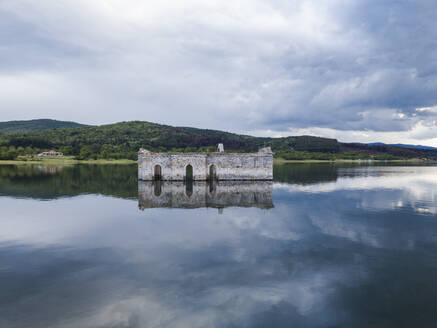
(322, 245)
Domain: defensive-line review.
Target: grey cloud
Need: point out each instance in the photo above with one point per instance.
(269, 65)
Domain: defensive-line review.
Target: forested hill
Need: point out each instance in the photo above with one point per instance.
(35, 125)
(122, 140)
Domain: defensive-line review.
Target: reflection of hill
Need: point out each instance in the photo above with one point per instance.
(304, 173)
(202, 194)
(51, 181)
(47, 182)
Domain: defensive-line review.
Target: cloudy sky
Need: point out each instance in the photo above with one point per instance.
(359, 70)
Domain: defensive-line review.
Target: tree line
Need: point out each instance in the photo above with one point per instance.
(123, 140)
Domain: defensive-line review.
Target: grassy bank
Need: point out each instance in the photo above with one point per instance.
(413, 160)
(65, 161)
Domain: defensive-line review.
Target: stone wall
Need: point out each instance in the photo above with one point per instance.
(173, 166)
(257, 166)
(227, 166)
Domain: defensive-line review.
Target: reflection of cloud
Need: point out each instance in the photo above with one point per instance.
(109, 290)
(416, 183)
(325, 255)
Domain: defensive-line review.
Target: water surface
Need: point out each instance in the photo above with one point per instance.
(322, 246)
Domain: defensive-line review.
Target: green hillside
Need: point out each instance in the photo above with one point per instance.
(35, 125)
(122, 140)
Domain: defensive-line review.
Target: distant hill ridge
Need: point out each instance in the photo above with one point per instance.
(123, 139)
(402, 145)
(36, 125)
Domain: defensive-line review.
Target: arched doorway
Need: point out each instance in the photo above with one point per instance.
(189, 173)
(212, 172)
(157, 173)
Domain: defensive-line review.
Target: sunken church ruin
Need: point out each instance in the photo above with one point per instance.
(205, 166)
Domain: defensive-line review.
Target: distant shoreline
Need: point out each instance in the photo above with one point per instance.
(413, 160)
(59, 161)
(70, 161)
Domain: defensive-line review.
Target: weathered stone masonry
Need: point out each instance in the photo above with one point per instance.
(218, 166)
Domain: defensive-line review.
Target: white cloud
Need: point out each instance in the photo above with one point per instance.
(432, 109)
(244, 65)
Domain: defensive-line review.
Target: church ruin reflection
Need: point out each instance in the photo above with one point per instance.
(195, 194)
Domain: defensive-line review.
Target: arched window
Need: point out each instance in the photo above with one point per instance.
(157, 173)
(189, 173)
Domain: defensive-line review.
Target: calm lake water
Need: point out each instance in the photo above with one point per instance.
(322, 246)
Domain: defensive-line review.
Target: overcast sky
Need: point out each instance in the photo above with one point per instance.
(357, 70)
